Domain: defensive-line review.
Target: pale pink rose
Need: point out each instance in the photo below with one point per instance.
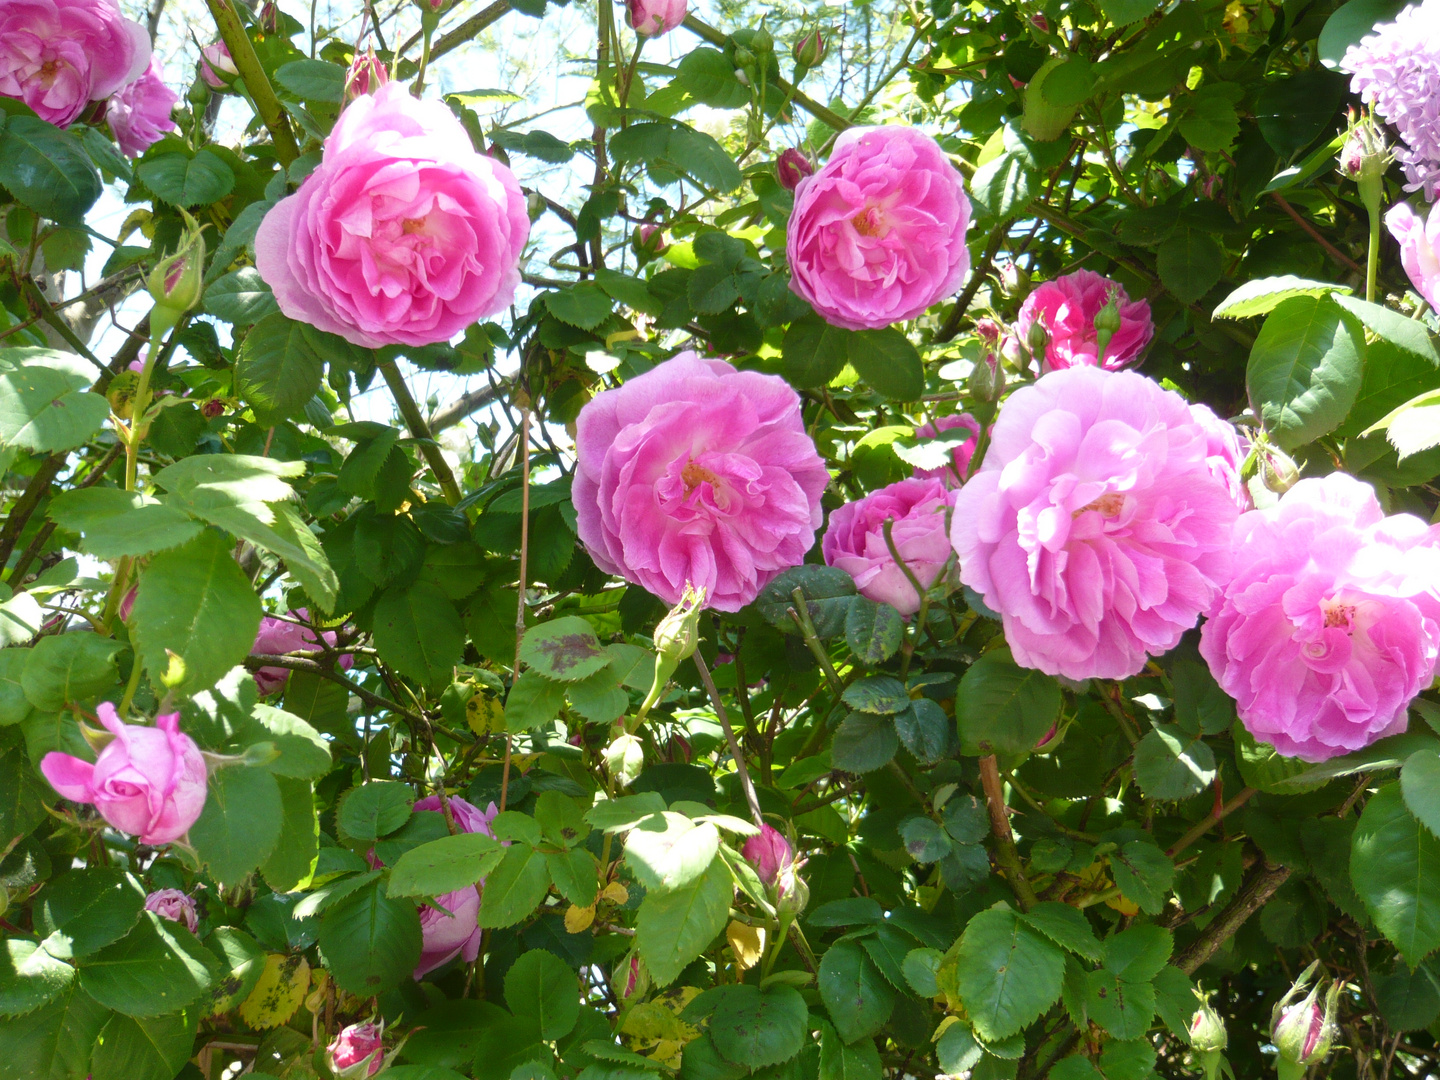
(1419, 248)
(1225, 452)
(356, 1052)
(952, 475)
(1331, 625)
(276, 637)
(139, 114)
(1066, 308)
(768, 853)
(403, 235)
(878, 234)
(174, 905)
(57, 56)
(148, 782)
(456, 934)
(855, 541)
(1095, 526)
(651, 18)
(217, 67)
(695, 472)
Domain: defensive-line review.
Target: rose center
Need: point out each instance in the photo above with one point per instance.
(694, 474)
(411, 226)
(870, 222)
(48, 69)
(1338, 614)
(1108, 505)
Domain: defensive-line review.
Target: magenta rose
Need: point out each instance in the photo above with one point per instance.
(57, 56)
(403, 235)
(1095, 526)
(148, 782)
(651, 18)
(139, 114)
(458, 933)
(768, 853)
(1331, 625)
(1067, 307)
(878, 234)
(1225, 452)
(695, 472)
(855, 541)
(276, 637)
(952, 475)
(1419, 241)
(356, 1052)
(174, 905)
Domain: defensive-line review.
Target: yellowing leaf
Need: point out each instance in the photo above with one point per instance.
(1123, 906)
(616, 893)
(319, 990)
(578, 918)
(484, 713)
(747, 943)
(279, 992)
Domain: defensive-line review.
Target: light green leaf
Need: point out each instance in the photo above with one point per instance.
(115, 523)
(85, 910)
(278, 369)
(565, 649)
(669, 851)
(756, 1028)
(444, 865)
(73, 667)
(1006, 973)
(1263, 295)
(674, 928)
(370, 942)
(240, 824)
(46, 410)
(156, 969)
(375, 809)
(1171, 765)
(29, 977)
(293, 859)
(1305, 370)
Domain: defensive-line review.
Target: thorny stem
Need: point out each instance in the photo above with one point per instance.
(420, 430)
(520, 586)
(735, 752)
(1005, 852)
(242, 53)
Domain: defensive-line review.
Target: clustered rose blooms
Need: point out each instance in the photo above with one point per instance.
(855, 540)
(697, 473)
(1066, 308)
(1419, 240)
(1331, 625)
(878, 234)
(139, 114)
(1095, 526)
(952, 475)
(276, 637)
(148, 782)
(403, 234)
(356, 1052)
(174, 905)
(57, 56)
(458, 933)
(651, 18)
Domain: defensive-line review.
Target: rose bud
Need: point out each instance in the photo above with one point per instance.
(366, 75)
(174, 905)
(810, 51)
(1303, 1032)
(791, 167)
(356, 1052)
(651, 18)
(768, 853)
(216, 67)
(212, 408)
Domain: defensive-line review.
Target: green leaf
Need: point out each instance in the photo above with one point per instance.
(863, 743)
(240, 824)
(240, 297)
(1263, 295)
(541, 990)
(1408, 1000)
(516, 888)
(47, 169)
(1003, 708)
(813, 352)
(888, 362)
(304, 557)
(85, 910)
(1139, 952)
(54, 1042)
(293, 859)
(534, 700)
(565, 649)
(574, 875)
(673, 928)
(1408, 335)
(873, 631)
(1210, 122)
(1144, 874)
(210, 481)
(1305, 370)
(116, 523)
(1171, 765)
(369, 941)
(1351, 22)
(45, 410)
(1420, 784)
(855, 994)
(1004, 186)
(1125, 12)
(418, 632)
(1201, 707)
(1190, 263)
(65, 668)
(705, 159)
(710, 78)
(278, 369)
(924, 729)
(1395, 867)
(196, 602)
(313, 80)
(444, 865)
(1067, 927)
(826, 590)
(585, 305)
(146, 1048)
(375, 809)
(756, 1028)
(188, 181)
(957, 1050)
(29, 977)
(860, 1061)
(538, 144)
(625, 812)
(156, 969)
(881, 694)
(669, 851)
(1006, 973)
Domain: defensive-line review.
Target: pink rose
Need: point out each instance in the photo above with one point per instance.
(878, 234)
(1419, 248)
(1225, 452)
(695, 472)
(139, 114)
(403, 235)
(217, 67)
(1067, 307)
(148, 782)
(1095, 526)
(57, 56)
(855, 541)
(768, 853)
(356, 1052)
(174, 905)
(458, 933)
(651, 18)
(276, 637)
(1331, 625)
(952, 475)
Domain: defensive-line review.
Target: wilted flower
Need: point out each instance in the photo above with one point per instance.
(174, 905)
(356, 1052)
(791, 167)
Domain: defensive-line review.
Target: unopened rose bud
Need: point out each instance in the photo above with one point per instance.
(744, 58)
(648, 242)
(1278, 471)
(987, 379)
(630, 979)
(810, 51)
(356, 1052)
(216, 67)
(174, 905)
(1040, 23)
(1207, 1030)
(432, 7)
(177, 282)
(1107, 321)
(768, 853)
(212, 408)
(1037, 341)
(270, 17)
(1365, 158)
(792, 894)
(678, 632)
(762, 41)
(366, 75)
(791, 167)
(1303, 1031)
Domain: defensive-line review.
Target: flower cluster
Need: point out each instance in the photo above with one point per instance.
(1396, 69)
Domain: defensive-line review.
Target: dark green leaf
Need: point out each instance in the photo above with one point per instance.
(1006, 973)
(857, 997)
(541, 990)
(1305, 370)
(1395, 867)
(188, 181)
(369, 941)
(47, 169)
(240, 824)
(1001, 707)
(278, 369)
(156, 969)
